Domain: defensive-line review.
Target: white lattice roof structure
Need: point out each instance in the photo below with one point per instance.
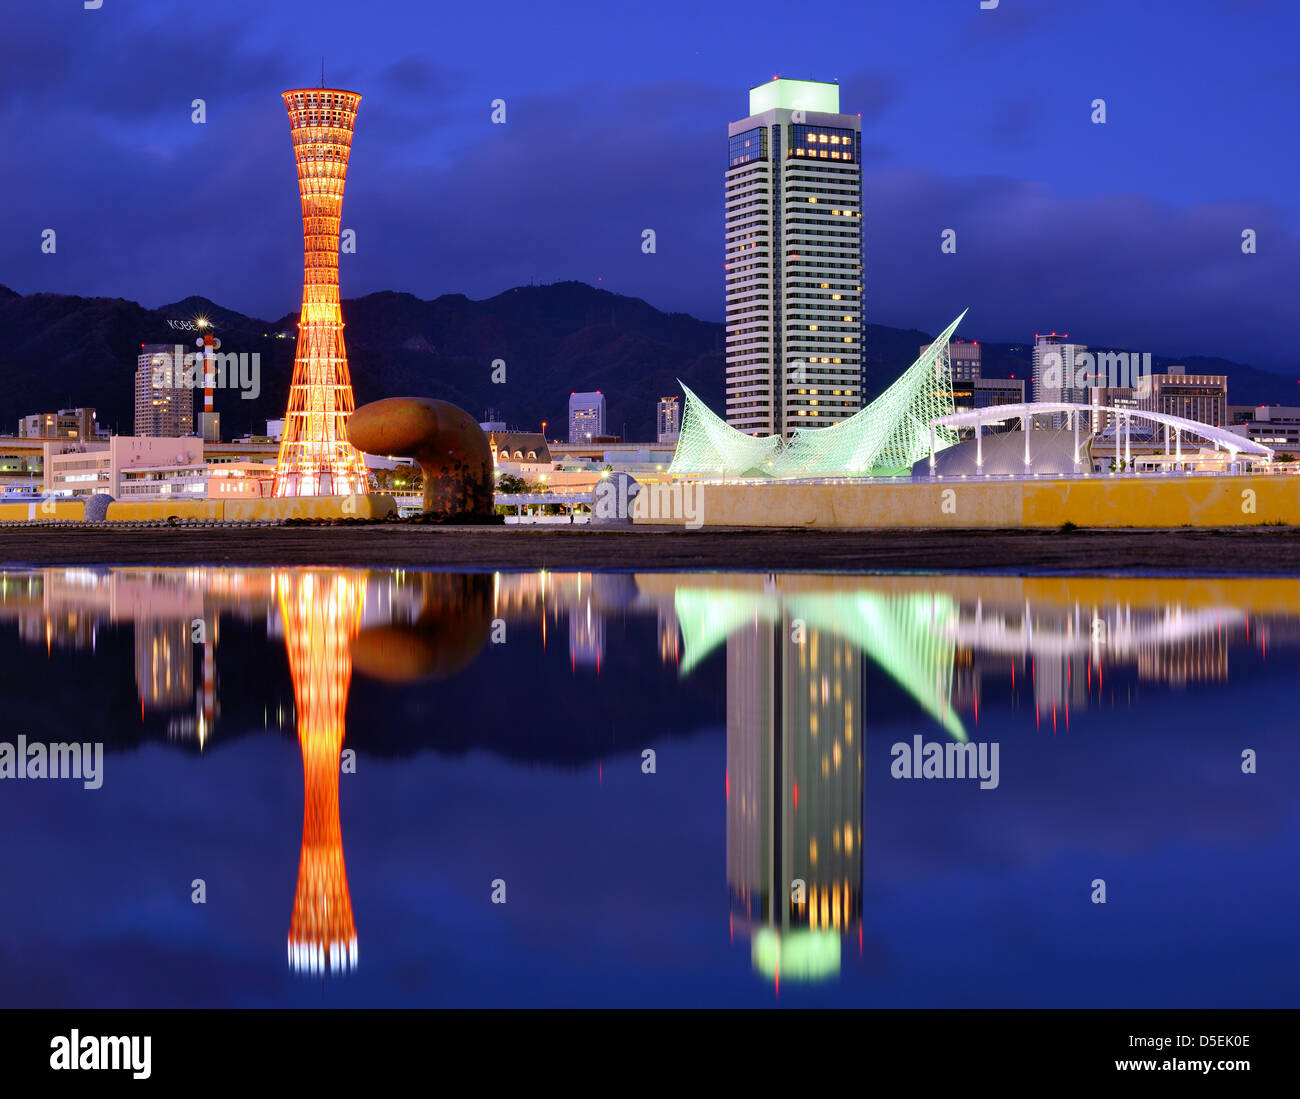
(883, 439)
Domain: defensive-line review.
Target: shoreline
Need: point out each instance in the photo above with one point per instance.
(1255, 551)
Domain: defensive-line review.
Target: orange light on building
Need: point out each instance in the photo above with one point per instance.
(316, 458)
(321, 612)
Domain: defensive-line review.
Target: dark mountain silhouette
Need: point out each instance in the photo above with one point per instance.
(60, 351)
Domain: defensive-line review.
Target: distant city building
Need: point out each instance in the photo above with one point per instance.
(1276, 426)
(1054, 371)
(197, 480)
(144, 467)
(793, 260)
(1202, 397)
(975, 392)
(639, 458)
(67, 423)
(210, 426)
(1108, 396)
(274, 429)
(87, 468)
(586, 416)
(996, 391)
(668, 420)
(965, 356)
(161, 411)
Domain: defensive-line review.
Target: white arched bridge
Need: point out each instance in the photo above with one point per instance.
(1176, 428)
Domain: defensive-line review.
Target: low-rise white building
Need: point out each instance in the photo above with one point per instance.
(143, 467)
(198, 481)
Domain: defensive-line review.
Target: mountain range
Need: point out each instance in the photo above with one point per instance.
(63, 351)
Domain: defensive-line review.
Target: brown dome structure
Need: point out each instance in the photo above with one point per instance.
(446, 441)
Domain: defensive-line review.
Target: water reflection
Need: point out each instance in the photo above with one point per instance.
(795, 653)
(321, 613)
(794, 789)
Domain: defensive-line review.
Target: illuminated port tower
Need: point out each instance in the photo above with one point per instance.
(316, 458)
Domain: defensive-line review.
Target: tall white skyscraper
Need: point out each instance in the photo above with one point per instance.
(1055, 370)
(794, 260)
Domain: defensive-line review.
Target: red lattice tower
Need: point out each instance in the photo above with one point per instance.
(316, 458)
(321, 612)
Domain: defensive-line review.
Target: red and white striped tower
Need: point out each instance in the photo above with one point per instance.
(210, 424)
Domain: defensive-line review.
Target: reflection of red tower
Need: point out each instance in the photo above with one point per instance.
(322, 614)
(316, 458)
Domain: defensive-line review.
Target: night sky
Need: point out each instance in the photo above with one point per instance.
(1126, 234)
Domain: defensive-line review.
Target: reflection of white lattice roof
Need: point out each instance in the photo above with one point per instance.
(883, 439)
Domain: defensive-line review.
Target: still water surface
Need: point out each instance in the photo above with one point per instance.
(682, 787)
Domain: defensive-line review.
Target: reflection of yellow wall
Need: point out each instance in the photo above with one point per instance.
(1100, 501)
(1256, 595)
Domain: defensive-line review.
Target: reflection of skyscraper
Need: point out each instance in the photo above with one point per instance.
(322, 616)
(164, 663)
(794, 793)
(586, 636)
(669, 644)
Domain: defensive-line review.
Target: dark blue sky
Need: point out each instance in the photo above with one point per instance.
(1126, 234)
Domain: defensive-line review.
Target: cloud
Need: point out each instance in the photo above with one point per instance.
(442, 200)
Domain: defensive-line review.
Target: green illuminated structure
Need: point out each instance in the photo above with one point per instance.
(800, 95)
(882, 440)
(909, 636)
(800, 955)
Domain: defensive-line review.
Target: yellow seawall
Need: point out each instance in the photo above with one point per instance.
(1155, 501)
(300, 507)
(139, 511)
(43, 509)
